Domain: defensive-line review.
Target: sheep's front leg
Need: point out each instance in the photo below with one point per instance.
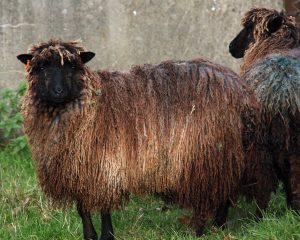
(107, 232)
(89, 232)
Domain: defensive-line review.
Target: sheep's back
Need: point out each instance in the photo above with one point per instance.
(276, 83)
(180, 126)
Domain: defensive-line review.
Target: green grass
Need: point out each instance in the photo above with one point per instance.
(26, 214)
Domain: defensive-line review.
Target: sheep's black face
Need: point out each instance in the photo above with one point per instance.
(241, 42)
(262, 29)
(56, 83)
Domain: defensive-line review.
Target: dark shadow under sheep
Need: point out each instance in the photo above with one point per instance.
(269, 44)
(178, 127)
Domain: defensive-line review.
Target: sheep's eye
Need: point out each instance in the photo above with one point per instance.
(41, 68)
(71, 65)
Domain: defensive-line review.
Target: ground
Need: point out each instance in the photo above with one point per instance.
(26, 214)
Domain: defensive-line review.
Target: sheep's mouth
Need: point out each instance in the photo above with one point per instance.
(59, 100)
(56, 101)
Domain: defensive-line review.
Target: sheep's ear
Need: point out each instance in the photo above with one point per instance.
(24, 58)
(274, 24)
(86, 56)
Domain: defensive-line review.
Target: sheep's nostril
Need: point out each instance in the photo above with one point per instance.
(58, 91)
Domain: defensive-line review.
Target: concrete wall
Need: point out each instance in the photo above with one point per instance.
(123, 32)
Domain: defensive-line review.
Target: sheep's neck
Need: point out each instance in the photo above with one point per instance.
(264, 48)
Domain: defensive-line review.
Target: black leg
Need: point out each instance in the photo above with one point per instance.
(286, 184)
(259, 211)
(199, 231)
(89, 232)
(221, 214)
(263, 193)
(198, 222)
(294, 181)
(107, 232)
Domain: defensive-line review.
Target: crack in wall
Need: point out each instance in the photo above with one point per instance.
(8, 25)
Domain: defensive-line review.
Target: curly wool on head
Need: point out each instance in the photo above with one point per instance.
(264, 40)
(56, 52)
(66, 50)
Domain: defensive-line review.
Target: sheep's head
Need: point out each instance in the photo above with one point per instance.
(55, 71)
(260, 24)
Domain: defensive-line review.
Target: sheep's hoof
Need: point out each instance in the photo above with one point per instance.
(295, 205)
(221, 224)
(199, 232)
(107, 237)
(91, 237)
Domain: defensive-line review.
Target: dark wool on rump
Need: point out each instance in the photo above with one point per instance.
(287, 37)
(173, 127)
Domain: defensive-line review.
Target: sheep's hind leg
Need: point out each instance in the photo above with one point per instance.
(107, 232)
(294, 181)
(266, 183)
(221, 214)
(89, 232)
(198, 222)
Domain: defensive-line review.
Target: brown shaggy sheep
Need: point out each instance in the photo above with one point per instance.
(176, 129)
(269, 44)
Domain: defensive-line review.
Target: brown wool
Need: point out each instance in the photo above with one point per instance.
(175, 129)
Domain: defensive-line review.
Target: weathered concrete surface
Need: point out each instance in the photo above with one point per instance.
(123, 32)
